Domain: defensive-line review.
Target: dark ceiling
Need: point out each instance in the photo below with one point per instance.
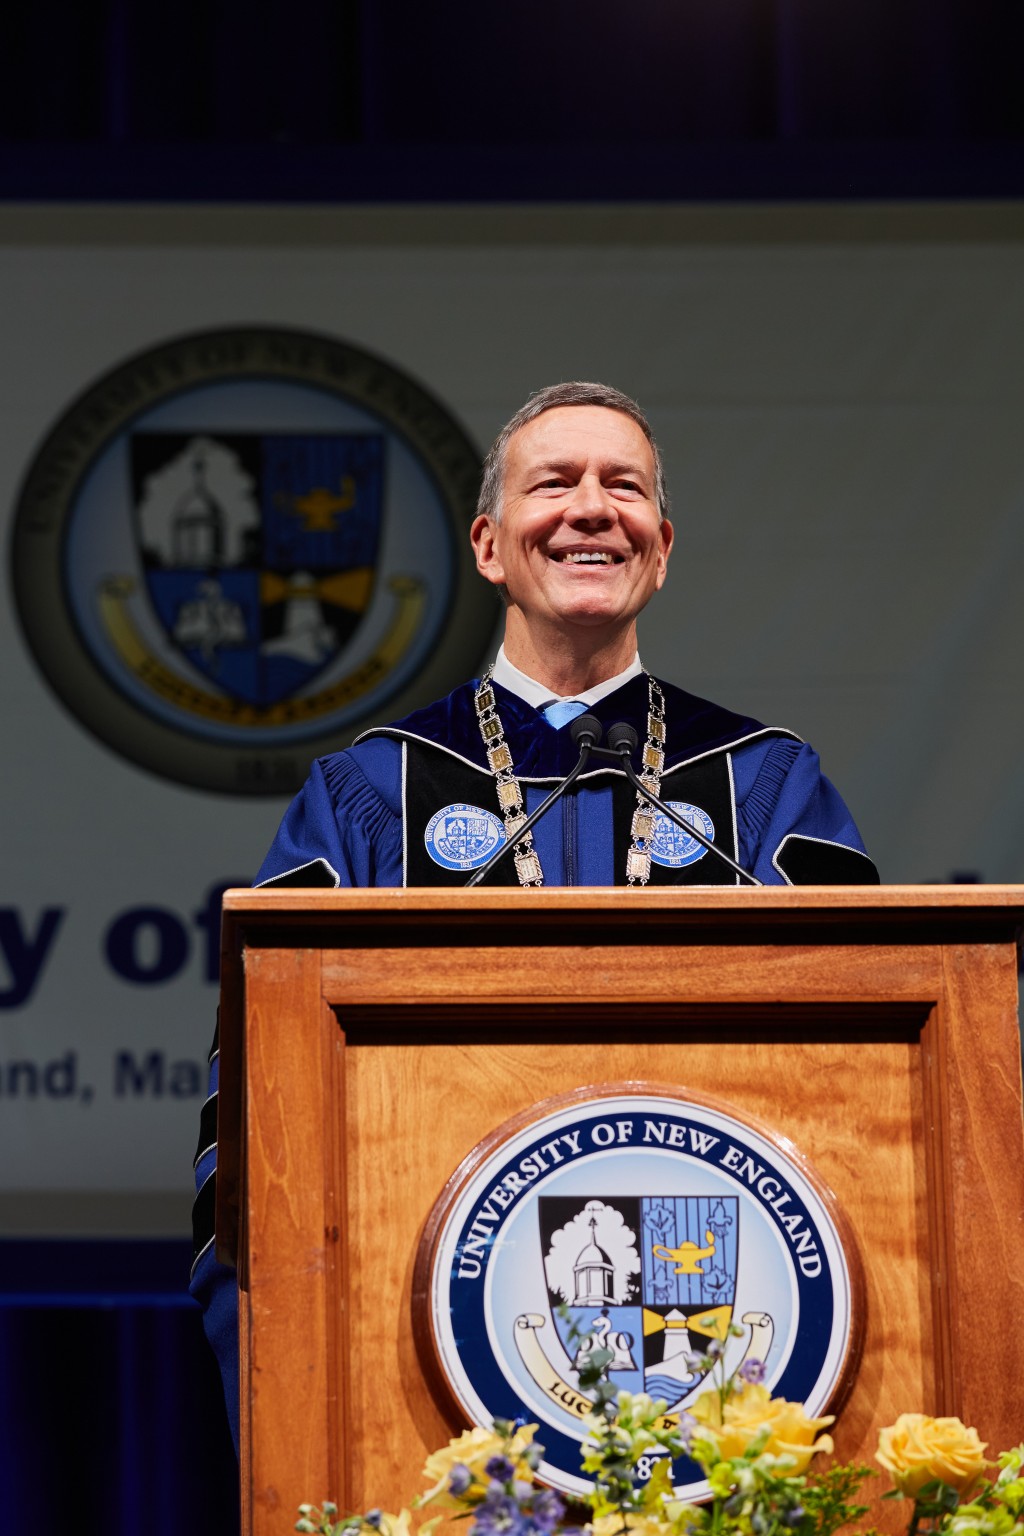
(354, 100)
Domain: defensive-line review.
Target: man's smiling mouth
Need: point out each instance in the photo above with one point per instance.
(586, 557)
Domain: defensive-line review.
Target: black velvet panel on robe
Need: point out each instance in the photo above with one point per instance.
(447, 764)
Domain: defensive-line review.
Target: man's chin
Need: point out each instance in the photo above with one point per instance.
(593, 615)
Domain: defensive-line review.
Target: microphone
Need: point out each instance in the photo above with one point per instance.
(622, 738)
(585, 731)
(585, 728)
(622, 741)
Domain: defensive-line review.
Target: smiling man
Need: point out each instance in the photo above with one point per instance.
(572, 528)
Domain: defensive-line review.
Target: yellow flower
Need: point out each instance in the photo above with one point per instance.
(918, 1450)
(396, 1525)
(790, 1432)
(638, 1524)
(473, 1449)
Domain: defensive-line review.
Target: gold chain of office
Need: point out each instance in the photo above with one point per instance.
(510, 794)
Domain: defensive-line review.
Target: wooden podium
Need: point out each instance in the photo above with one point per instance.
(371, 1039)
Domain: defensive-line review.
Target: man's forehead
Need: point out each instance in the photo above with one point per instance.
(567, 433)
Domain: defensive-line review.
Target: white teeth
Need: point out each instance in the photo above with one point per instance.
(587, 557)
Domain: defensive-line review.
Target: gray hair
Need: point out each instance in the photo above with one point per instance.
(574, 393)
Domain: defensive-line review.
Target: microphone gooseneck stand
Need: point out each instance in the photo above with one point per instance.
(585, 731)
(622, 740)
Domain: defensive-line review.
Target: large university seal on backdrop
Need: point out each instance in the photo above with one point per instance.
(634, 1218)
(240, 548)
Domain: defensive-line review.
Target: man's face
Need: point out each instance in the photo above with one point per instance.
(579, 540)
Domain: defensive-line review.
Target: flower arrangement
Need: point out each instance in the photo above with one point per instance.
(754, 1449)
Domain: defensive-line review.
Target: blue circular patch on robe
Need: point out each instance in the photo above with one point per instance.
(463, 836)
(670, 846)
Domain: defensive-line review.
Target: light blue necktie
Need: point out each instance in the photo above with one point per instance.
(562, 711)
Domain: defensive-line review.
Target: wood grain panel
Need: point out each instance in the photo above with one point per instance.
(869, 1150)
(291, 1151)
(610, 974)
(975, 1094)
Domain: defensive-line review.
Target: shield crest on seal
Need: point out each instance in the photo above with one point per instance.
(259, 550)
(650, 1278)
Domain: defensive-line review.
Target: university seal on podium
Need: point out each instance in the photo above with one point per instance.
(647, 1223)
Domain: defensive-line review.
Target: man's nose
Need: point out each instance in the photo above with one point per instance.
(592, 504)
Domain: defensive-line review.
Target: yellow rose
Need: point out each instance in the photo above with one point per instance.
(748, 1412)
(473, 1449)
(918, 1450)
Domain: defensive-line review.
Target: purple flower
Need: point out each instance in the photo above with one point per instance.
(752, 1371)
(459, 1479)
(373, 1517)
(499, 1515)
(548, 1509)
(500, 1468)
(686, 1429)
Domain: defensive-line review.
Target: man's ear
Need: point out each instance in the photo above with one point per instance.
(488, 563)
(667, 534)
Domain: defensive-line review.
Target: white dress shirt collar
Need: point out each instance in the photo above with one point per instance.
(536, 694)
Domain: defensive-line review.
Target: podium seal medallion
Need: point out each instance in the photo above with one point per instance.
(640, 1220)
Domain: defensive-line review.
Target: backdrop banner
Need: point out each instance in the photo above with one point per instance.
(239, 454)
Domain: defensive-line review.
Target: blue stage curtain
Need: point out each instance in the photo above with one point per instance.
(111, 1413)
